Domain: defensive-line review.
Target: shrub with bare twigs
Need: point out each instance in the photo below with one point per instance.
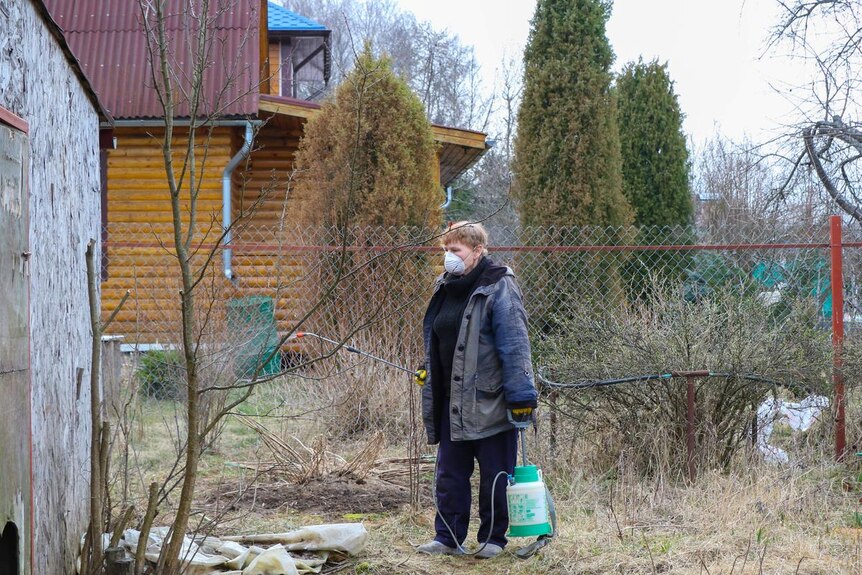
(753, 351)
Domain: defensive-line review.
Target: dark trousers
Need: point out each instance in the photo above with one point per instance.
(454, 468)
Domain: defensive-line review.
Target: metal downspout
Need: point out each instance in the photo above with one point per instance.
(448, 201)
(227, 208)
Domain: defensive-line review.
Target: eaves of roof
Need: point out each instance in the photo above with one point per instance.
(459, 148)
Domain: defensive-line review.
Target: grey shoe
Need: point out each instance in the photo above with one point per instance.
(489, 551)
(437, 548)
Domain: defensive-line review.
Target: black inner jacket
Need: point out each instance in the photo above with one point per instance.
(456, 292)
(489, 274)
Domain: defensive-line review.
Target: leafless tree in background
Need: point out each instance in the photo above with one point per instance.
(441, 70)
(739, 191)
(484, 189)
(825, 36)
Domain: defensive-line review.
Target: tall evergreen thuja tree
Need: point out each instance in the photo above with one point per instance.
(568, 169)
(567, 163)
(366, 165)
(369, 157)
(654, 154)
(655, 171)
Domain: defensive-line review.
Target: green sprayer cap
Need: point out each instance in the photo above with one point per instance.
(526, 474)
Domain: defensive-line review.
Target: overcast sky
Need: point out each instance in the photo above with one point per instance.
(713, 49)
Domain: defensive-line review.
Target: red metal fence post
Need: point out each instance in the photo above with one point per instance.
(689, 427)
(837, 281)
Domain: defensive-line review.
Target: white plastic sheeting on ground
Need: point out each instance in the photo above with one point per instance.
(798, 415)
(297, 552)
(342, 537)
(274, 560)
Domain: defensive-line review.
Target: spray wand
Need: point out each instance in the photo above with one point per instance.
(419, 375)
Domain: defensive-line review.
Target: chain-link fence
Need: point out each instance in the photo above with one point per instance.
(383, 276)
(603, 302)
(339, 283)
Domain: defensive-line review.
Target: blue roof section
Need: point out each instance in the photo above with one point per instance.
(280, 18)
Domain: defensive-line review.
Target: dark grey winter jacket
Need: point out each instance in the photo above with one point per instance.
(491, 369)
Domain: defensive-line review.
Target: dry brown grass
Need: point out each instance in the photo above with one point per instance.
(755, 518)
(774, 521)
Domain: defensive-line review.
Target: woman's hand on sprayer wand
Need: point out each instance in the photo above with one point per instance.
(419, 376)
(521, 416)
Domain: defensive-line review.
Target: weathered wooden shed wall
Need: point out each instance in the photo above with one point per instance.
(38, 84)
(15, 491)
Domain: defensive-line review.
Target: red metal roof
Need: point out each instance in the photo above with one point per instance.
(108, 38)
(55, 30)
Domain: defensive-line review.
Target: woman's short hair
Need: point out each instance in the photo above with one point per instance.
(468, 233)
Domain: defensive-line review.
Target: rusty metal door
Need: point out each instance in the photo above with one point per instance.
(15, 488)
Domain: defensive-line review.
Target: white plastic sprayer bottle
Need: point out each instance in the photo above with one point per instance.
(528, 503)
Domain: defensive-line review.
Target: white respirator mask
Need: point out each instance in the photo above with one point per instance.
(453, 264)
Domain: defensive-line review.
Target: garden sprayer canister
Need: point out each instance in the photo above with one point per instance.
(528, 503)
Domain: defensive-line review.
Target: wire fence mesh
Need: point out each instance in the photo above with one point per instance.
(377, 280)
(743, 301)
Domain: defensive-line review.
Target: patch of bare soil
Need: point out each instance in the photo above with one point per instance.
(331, 497)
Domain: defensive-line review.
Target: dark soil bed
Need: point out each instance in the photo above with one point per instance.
(332, 497)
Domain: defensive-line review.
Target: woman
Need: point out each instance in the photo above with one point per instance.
(477, 357)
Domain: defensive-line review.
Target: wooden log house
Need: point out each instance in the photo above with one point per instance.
(283, 57)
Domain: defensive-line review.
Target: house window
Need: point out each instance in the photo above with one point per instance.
(9, 563)
(303, 66)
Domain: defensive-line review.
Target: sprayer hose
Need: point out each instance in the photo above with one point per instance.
(446, 523)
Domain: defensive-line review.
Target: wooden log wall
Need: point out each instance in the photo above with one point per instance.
(140, 234)
(264, 212)
(140, 255)
(263, 204)
(275, 68)
(261, 188)
(137, 187)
